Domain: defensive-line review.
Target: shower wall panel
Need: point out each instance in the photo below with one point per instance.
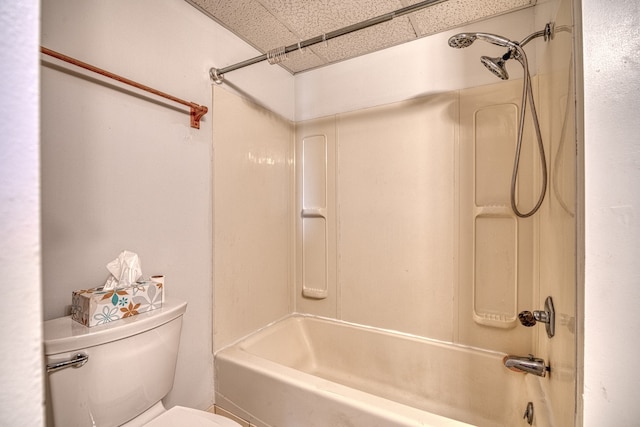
(253, 151)
(395, 217)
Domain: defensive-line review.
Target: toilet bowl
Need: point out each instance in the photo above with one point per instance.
(179, 416)
(117, 374)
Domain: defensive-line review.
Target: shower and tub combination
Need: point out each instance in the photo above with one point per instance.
(307, 370)
(318, 372)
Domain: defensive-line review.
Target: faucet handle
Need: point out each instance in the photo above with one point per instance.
(527, 318)
(548, 317)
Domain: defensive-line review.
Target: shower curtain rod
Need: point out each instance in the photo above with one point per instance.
(196, 111)
(277, 55)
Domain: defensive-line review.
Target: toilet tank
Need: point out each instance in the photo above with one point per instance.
(130, 367)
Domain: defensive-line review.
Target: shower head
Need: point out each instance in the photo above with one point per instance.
(462, 40)
(496, 66)
(466, 39)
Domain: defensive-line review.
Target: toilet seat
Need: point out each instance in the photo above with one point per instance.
(179, 416)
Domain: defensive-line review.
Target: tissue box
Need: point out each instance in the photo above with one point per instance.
(93, 307)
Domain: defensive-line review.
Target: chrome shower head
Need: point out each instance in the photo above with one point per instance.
(462, 40)
(466, 39)
(496, 66)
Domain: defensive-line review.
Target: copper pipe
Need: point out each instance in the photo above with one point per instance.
(196, 111)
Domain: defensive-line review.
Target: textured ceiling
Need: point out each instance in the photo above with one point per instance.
(269, 24)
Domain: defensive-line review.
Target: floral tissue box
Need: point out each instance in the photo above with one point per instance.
(95, 306)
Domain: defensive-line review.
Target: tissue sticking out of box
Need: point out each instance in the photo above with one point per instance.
(125, 271)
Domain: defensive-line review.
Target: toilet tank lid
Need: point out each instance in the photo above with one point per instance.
(64, 335)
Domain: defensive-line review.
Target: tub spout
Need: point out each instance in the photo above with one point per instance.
(527, 364)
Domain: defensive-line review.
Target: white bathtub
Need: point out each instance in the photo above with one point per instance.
(309, 372)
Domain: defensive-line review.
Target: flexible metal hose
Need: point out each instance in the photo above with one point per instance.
(527, 95)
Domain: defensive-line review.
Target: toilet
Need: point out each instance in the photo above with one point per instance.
(117, 374)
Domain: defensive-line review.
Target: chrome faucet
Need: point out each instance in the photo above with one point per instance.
(527, 364)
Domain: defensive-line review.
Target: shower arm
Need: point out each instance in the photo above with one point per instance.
(515, 48)
(547, 33)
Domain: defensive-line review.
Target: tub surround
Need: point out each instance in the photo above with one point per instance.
(447, 257)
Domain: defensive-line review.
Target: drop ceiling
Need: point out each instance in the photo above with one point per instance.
(269, 24)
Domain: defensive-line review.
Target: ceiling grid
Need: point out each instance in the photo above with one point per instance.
(268, 24)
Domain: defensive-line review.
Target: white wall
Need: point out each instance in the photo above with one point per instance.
(20, 309)
(612, 210)
(121, 170)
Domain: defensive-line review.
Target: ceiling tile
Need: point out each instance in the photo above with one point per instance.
(310, 18)
(249, 20)
(368, 40)
(297, 61)
(454, 13)
(269, 24)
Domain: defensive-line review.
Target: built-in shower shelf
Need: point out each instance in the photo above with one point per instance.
(497, 210)
(495, 320)
(497, 249)
(313, 216)
(314, 213)
(496, 230)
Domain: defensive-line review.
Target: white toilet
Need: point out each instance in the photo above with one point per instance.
(117, 374)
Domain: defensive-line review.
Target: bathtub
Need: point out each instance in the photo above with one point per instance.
(305, 371)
